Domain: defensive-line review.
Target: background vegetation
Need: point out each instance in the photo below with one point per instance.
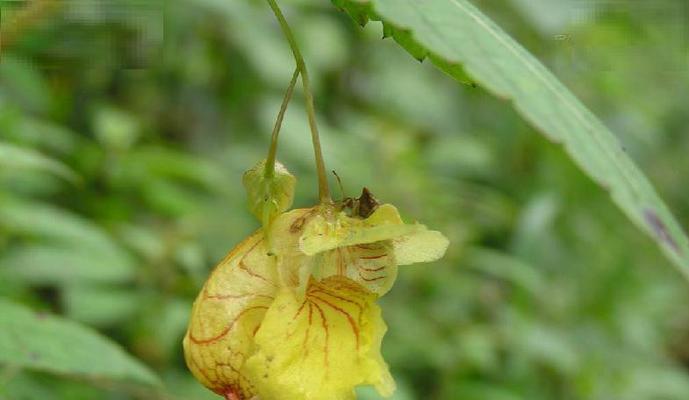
(125, 127)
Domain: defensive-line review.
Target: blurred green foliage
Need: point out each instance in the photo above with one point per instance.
(125, 128)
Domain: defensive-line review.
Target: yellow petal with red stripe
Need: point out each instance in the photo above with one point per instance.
(226, 315)
(321, 345)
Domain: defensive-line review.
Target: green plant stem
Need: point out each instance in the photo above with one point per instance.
(270, 160)
(323, 189)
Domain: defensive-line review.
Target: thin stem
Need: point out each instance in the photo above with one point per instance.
(323, 190)
(270, 161)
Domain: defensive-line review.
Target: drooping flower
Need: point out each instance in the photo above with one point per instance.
(302, 323)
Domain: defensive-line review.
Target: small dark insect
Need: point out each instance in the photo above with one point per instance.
(362, 207)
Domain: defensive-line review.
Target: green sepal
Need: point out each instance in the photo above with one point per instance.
(270, 194)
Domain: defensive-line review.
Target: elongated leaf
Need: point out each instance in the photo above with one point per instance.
(144, 164)
(102, 305)
(40, 264)
(37, 219)
(52, 344)
(20, 158)
(454, 33)
(73, 249)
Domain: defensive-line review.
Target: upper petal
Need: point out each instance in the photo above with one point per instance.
(421, 246)
(412, 243)
(321, 234)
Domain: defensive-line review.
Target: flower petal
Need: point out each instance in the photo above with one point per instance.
(368, 250)
(385, 223)
(293, 265)
(226, 315)
(372, 265)
(422, 246)
(321, 345)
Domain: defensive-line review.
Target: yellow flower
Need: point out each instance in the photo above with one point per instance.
(303, 324)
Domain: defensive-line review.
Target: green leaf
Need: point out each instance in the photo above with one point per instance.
(143, 164)
(101, 305)
(40, 264)
(35, 132)
(454, 32)
(35, 219)
(49, 343)
(24, 84)
(22, 159)
(33, 385)
(510, 269)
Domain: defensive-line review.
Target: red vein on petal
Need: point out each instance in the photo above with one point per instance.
(299, 310)
(238, 248)
(353, 324)
(359, 306)
(246, 269)
(324, 323)
(348, 285)
(367, 246)
(198, 368)
(308, 330)
(374, 257)
(226, 330)
(372, 279)
(236, 371)
(242, 265)
(373, 269)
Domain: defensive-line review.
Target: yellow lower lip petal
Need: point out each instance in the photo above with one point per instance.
(320, 346)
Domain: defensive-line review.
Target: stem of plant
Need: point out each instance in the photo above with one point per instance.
(270, 161)
(323, 189)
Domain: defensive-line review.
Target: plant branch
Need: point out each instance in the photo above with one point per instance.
(323, 189)
(270, 161)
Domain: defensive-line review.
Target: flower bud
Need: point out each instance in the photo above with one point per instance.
(269, 194)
